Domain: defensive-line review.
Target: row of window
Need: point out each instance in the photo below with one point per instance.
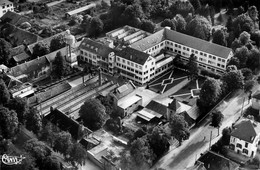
(9, 5)
(4, 11)
(129, 63)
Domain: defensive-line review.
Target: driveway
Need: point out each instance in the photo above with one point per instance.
(186, 155)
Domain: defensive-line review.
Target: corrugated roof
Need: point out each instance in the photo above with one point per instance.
(145, 115)
(84, 8)
(96, 47)
(244, 131)
(133, 55)
(180, 38)
(149, 41)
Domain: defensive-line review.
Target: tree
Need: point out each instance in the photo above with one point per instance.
(52, 162)
(242, 55)
(38, 149)
(77, 154)
(179, 128)
(20, 106)
(226, 135)
(181, 7)
(8, 123)
(57, 43)
(199, 27)
(216, 119)
(210, 92)
(249, 85)
(196, 4)
(49, 134)
(127, 162)
(244, 38)
(59, 65)
(233, 80)
(236, 44)
(4, 51)
(243, 23)
(133, 11)
(180, 23)
(63, 142)
(158, 141)
(141, 152)
(148, 26)
(47, 32)
(255, 36)
(229, 24)
(219, 37)
(193, 67)
(40, 49)
(4, 93)
(247, 73)
(96, 27)
(253, 60)
(93, 114)
(231, 68)
(168, 23)
(33, 120)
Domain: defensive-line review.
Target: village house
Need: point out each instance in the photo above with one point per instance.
(244, 137)
(5, 6)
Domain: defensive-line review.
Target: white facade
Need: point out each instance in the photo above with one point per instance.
(5, 6)
(243, 147)
(256, 103)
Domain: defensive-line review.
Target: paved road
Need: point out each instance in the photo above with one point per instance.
(185, 155)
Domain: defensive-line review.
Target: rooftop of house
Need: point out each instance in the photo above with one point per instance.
(13, 18)
(96, 47)
(246, 130)
(214, 161)
(198, 166)
(29, 67)
(157, 107)
(17, 50)
(174, 105)
(5, 2)
(133, 55)
(256, 95)
(18, 36)
(188, 118)
(124, 90)
(180, 38)
(45, 40)
(21, 57)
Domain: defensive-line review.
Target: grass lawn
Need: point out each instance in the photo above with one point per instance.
(174, 83)
(187, 88)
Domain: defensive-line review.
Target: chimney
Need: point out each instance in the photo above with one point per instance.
(131, 57)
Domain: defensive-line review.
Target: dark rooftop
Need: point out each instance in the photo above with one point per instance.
(133, 55)
(244, 131)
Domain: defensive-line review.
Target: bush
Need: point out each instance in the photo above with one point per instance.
(112, 125)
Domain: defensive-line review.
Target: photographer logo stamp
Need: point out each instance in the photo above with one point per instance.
(12, 160)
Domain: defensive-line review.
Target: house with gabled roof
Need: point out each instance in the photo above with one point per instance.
(256, 100)
(6, 6)
(244, 137)
(213, 161)
(97, 54)
(17, 36)
(13, 18)
(125, 101)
